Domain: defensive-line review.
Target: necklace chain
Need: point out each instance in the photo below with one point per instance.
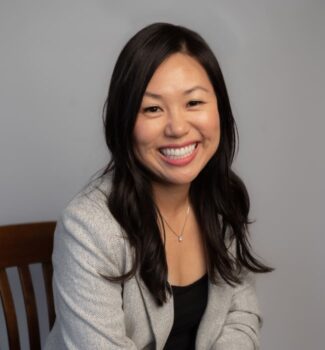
(179, 236)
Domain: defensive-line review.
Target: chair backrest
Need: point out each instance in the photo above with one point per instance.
(21, 245)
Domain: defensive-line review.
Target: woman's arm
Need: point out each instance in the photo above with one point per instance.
(241, 329)
(89, 312)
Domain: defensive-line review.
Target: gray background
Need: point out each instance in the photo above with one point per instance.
(55, 63)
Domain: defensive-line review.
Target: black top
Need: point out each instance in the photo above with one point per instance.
(189, 304)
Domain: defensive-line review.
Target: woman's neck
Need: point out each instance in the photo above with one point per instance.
(171, 199)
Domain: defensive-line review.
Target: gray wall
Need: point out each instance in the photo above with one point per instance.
(55, 63)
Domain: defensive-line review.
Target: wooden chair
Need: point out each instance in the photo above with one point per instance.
(21, 245)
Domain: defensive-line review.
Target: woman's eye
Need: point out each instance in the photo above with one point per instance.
(152, 109)
(194, 103)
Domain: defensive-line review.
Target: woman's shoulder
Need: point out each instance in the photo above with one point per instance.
(92, 196)
(86, 225)
(88, 213)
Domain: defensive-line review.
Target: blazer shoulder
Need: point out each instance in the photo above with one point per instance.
(87, 220)
(90, 203)
(93, 195)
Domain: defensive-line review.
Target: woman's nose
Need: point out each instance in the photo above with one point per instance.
(177, 124)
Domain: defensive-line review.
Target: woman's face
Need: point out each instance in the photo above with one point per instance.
(177, 129)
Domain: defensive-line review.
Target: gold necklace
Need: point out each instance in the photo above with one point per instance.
(179, 236)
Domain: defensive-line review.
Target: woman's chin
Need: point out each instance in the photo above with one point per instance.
(177, 180)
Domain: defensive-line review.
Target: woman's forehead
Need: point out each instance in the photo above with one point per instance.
(178, 73)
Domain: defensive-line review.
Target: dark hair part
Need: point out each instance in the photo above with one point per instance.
(219, 197)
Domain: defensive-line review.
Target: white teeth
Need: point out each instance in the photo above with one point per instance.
(177, 153)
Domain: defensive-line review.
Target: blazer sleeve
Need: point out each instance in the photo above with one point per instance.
(243, 321)
(89, 308)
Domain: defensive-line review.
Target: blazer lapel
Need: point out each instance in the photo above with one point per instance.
(161, 317)
(219, 299)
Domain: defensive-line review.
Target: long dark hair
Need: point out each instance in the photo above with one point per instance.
(219, 197)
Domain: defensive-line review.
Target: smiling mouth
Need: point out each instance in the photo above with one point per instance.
(178, 152)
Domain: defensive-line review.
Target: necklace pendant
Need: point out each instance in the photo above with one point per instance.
(180, 238)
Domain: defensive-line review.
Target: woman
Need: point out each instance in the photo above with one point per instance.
(154, 253)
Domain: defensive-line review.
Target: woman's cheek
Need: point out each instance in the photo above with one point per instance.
(147, 133)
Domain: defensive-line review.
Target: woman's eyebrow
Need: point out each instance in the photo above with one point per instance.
(197, 87)
(186, 92)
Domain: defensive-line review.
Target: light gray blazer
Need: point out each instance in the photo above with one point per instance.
(93, 313)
